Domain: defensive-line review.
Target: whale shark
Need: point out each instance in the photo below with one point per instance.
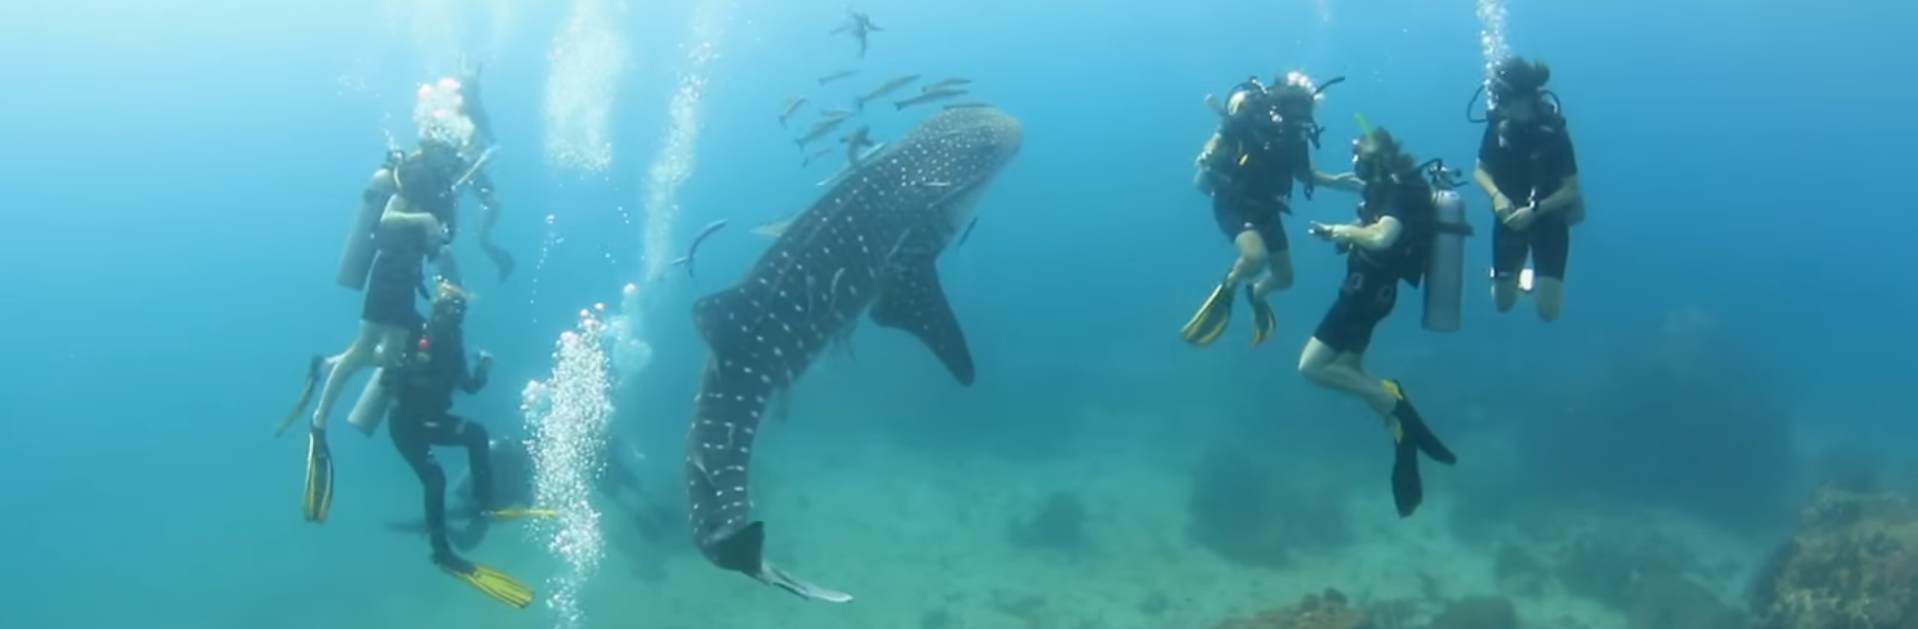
(867, 247)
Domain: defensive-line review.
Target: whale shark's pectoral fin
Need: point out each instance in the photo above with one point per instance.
(912, 300)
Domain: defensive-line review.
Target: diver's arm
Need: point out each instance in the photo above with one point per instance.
(1500, 204)
(398, 215)
(1566, 196)
(1348, 182)
(472, 382)
(1378, 236)
(1207, 177)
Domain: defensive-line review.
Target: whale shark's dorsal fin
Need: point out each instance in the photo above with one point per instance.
(912, 300)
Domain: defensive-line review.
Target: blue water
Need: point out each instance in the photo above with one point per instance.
(178, 176)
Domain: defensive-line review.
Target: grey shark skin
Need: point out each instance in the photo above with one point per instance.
(868, 245)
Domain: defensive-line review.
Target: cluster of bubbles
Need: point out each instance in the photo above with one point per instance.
(631, 352)
(584, 67)
(568, 415)
(1491, 35)
(673, 165)
(437, 113)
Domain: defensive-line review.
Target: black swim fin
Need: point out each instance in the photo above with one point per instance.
(313, 369)
(1210, 321)
(1264, 322)
(1413, 428)
(1410, 437)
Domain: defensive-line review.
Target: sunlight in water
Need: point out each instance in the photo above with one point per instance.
(567, 415)
(437, 25)
(1491, 34)
(677, 154)
(584, 69)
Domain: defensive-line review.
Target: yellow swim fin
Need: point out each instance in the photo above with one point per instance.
(313, 369)
(1209, 322)
(319, 477)
(493, 583)
(1263, 321)
(515, 513)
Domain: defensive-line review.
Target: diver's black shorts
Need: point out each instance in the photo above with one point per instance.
(1548, 241)
(414, 435)
(1365, 298)
(392, 289)
(1235, 216)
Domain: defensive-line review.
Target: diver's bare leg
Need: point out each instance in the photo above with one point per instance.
(1342, 371)
(366, 350)
(1278, 276)
(1251, 260)
(1550, 295)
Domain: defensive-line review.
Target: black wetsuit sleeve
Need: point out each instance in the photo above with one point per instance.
(1301, 160)
(1563, 160)
(1488, 146)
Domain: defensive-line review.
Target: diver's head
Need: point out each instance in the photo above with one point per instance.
(1296, 98)
(439, 112)
(449, 306)
(1378, 158)
(1517, 88)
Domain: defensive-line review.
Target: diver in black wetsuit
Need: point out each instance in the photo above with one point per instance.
(421, 383)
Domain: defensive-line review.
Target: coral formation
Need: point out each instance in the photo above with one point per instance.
(1701, 422)
(1315, 611)
(1254, 514)
(1853, 564)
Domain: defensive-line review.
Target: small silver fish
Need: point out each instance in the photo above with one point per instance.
(885, 88)
(792, 107)
(855, 142)
(687, 260)
(819, 130)
(836, 76)
(949, 82)
(928, 96)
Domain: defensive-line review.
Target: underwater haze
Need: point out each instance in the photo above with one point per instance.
(180, 177)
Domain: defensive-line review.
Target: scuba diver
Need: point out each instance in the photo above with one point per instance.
(1391, 242)
(407, 216)
(1247, 167)
(1527, 165)
(422, 382)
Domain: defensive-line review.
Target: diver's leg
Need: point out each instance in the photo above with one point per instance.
(448, 266)
(419, 455)
(1334, 357)
(1509, 249)
(479, 460)
(358, 355)
(1278, 260)
(372, 405)
(1251, 261)
(1551, 246)
(1336, 370)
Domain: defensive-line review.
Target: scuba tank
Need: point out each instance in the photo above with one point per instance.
(1445, 266)
(356, 256)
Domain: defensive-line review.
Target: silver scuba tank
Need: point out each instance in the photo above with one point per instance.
(1445, 270)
